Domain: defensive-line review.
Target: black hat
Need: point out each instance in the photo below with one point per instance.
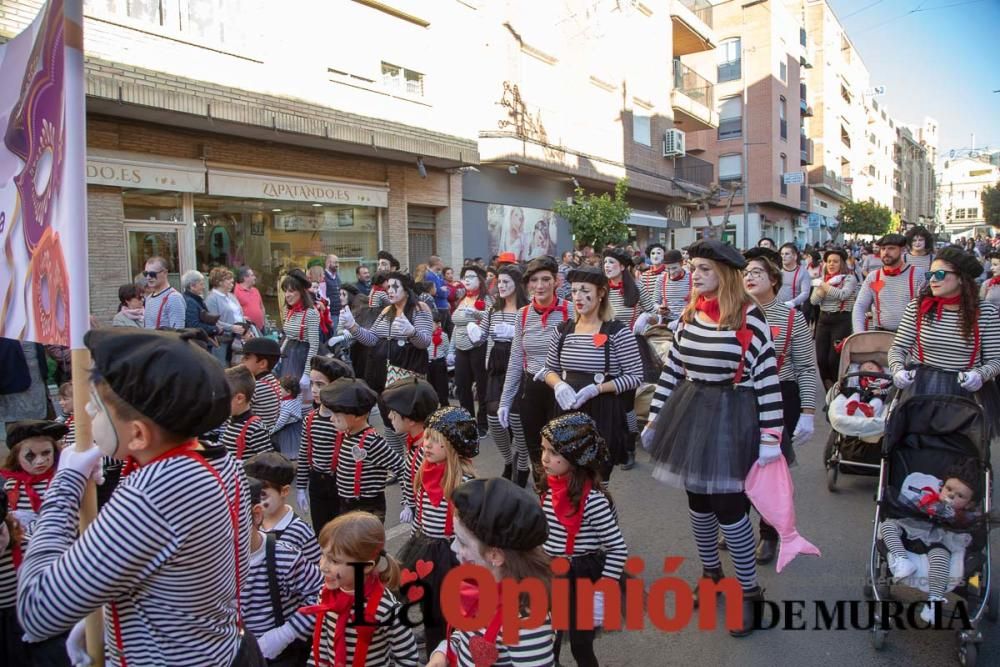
(478, 270)
(587, 274)
(349, 396)
(34, 428)
(412, 398)
(501, 514)
(459, 429)
(619, 254)
(332, 367)
(388, 256)
(541, 263)
(920, 230)
(966, 264)
(892, 239)
(177, 385)
(262, 346)
(673, 257)
(761, 252)
(575, 437)
(299, 279)
(271, 467)
(650, 247)
(839, 252)
(717, 251)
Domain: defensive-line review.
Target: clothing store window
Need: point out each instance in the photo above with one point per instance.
(154, 226)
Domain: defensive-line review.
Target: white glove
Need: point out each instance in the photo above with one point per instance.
(449, 359)
(503, 330)
(768, 453)
(76, 645)
(406, 514)
(302, 498)
(565, 395)
(970, 381)
(347, 318)
(803, 430)
(585, 394)
(903, 379)
(274, 641)
(598, 609)
(401, 328)
(642, 323)
(87, 462)
(475, 332)
(503, 416)
(790, 304)
(673, 324)
(540, 375)
(335, 340)
(647, 436)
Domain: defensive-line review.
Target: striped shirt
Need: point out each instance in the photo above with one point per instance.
(840, 297)
(580, 354)
(289, 412)
(392, 643)
(297, 533)
(256, 437)
(298, 580)
(702, 352)
(378, 298)
(796, 358)
(69, 440)
(795, 285)
(988, 292)
(377, 458)
(920, 262)
(315, 448)
(651, 279)
(172, 576)
(598, 532)
(431, 519)
(628, 314)
(533, 648)
(164, 310)
(895, 293)
(530, 345)
(266, 402)
(439, 350)
(302, 325)
(944, 346)
(678, 293)
(414, 459)
(465, 314)
(422, 321)
(496, 317)
(8, 575)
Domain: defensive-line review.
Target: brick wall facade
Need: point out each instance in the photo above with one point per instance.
(106, 244)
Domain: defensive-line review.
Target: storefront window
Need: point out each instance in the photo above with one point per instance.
(273, 236)
(153, 205)
(145, 243)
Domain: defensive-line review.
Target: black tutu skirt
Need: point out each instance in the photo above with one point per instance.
(930, 381)
(706, 437)
(437, 551)
(496, 370)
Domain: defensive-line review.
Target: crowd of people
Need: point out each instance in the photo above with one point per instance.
(207, 423)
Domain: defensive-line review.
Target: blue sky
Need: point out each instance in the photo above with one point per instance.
(943, 63)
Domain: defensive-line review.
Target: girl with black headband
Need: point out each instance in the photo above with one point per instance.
(301, 329)
(468, 344)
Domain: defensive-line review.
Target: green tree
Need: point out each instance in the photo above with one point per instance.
(991, 205)
(597, 220)
(864, 217)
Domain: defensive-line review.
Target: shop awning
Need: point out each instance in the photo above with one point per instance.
(648, 220)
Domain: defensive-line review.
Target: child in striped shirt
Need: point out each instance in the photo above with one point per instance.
(245, 434)
(437, 354)
(410, 401)
(276, 473)
(287, 430)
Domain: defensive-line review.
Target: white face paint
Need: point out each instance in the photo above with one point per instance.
(584, 297)
(675, 269)
(394, 290)
(505, 285)
(656, 256)
(466, 546)
(704, 278)
(103, 428)
(471, 282)
(612, 268)
(917, 243)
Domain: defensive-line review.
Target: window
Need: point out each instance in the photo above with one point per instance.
(730, 118)
(400, 80)
(641, 126)
(822, 204)
(960, 214)
(972, 213)
(730, 168)
(206, 22)
(729, 60)
(782, 117)
(781, 175)
(783, 70)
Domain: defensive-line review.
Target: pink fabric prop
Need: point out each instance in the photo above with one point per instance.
(770, 489)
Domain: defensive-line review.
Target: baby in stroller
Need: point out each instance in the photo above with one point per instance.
(952, 503)
(869, 399)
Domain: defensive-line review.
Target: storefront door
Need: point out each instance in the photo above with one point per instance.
(159, 239)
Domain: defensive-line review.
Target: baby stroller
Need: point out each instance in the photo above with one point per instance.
(929, 433)
(853, 446)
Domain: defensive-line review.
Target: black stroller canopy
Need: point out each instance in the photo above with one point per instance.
(939, 427)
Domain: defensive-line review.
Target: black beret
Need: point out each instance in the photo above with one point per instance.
(299, 278)
(332, 367)
(458, 427)
(34, 428)
(177, 385)
(271, 467)
(919, 230)
(619, 254)
(541, 263)
(501, 514)
(766, 253)
(965, 263)
(475, 268)
(587, 274)
(717, 251)
(262, 346)
(651, 246)
(388, 256)
(839, 252)
(892, 239)
(575, 437)
(673, 257)
(349, 396)
(412, 398)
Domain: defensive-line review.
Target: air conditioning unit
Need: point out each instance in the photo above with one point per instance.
(673, 143)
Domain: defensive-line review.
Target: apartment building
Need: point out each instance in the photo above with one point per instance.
(960, 188)
(586, 93)
(244, 133)
(876, 180)
(914, 179)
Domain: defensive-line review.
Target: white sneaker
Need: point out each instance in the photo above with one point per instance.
(901, 568)
(927, 613)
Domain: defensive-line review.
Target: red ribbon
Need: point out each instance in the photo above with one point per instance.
(569, 515)
(937, 303)
(431, 476)
(26, 481)
(928, 500)
(437, 338)
(342, 603)
(854, 406)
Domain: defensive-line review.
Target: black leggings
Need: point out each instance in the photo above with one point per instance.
(728, 507)
(536, 405)
(470, 367)
(831, 329)
(437, 375)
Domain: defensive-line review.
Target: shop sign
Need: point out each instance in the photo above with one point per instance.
(261, 186)
(125, 170)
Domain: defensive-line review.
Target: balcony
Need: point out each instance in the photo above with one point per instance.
(829, 183)
(806, 110)
(693, 100)
(730, 71)
(806, 152)
(693, 170)
(692, 26)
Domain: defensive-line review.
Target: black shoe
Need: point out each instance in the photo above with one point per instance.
(629, 461)
(751, 600)
(722, 543)
(766, 551)
(483, 431)
(713, 573)
(522, 478)
(508, 471)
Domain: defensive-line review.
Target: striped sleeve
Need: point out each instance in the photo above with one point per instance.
(300, 535)
(906, 336)
(175, 311)
(804, 361)
(312, 336)
(863, 303)
(599, 515)
(647, 303)
(423, 322)
(512, 380)
(989, 325)
(764, 371)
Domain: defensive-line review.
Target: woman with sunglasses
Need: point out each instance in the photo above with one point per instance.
(834, 293)
(950, 337)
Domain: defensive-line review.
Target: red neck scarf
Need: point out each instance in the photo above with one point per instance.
(680, 276)
(545, 311)
(893, 271)
(342, 603)
(437, 338)
(569, 515)
(131, 465)
(828, 277)
(432, 474)
(710, 307)
(657, 269)
(471, 293)
(993, 282)
(483, 648)
(937, 303)
(619, 286)
(26, 481)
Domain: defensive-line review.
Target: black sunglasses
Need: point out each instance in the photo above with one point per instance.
(938, 275)
(152, 274)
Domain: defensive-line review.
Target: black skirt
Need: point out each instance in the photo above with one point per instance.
(791, 410)
(437, 551)
(496, 370)
(608, 412)
(706, 437)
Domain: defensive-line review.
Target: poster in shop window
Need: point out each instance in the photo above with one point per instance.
(526, 232)
(43, 230)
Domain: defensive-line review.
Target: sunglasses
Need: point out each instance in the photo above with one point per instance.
(152, 274)
(938, 275)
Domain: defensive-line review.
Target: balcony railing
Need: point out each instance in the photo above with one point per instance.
(830, 181)
(730, 128)
(692, 84)
(693, 170)
(700, 8)
(729, 71)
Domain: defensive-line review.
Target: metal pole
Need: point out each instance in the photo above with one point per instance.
(746, 138)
